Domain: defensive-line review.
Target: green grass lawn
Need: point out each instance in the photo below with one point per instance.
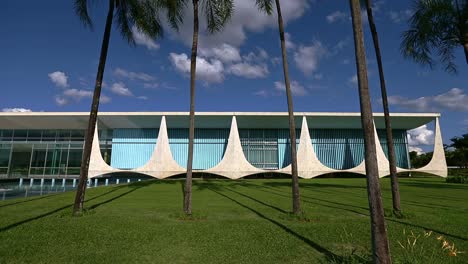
(244, 221)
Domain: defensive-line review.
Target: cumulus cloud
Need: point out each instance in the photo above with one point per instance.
(307, 57)
(246, 18)
(288, 41)
(420, 136)
(248, 70)
(400, 16)
(142, 39)
(60, 79)
(120, 89)
(337, 16)
(76, 95)
(296, 88)
(454, 100)
(224, 52)
(141, 76)
(16, 110)
(209, 71)
(416, 149)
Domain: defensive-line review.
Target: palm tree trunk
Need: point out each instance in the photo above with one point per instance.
(388, 126)
(80, 191)
(193, 68)
(465, 47)
(380, 248)
(292, 125)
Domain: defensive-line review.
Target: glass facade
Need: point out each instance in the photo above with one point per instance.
(38, 153)
(58, 153)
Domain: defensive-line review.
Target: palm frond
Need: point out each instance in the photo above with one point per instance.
(81, 10)
(265, 6)
(174, 11)
(217, 13)
(124, 19)
(434, 30)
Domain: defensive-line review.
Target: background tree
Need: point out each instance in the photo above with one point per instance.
(388, 125)
(143, 14)
(380, 247)
(217, 13)
(437, 26)
(267, 7)
(460, 153)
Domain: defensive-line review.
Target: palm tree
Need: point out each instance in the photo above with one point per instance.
(388, 126)
(127, 13)
(380, 248)
(217, 13)
(437, 26)
(267, 7)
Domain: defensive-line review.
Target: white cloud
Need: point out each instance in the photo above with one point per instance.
(307, 57)
(420, 136)
(353, 80)
(142, 39)
(142, 97)
(16, 110)
(337, 16)
(209, 71)
(288, 41)
(248, 70)
(416, 149)
(296, 88)
(141, 76)
(262, 93)
(77, 95)
(454, 100)
(120, 89)
(245, 18)
(150, 85)
(225, 52)
(400, 16)
(61, 101)
(59, 78)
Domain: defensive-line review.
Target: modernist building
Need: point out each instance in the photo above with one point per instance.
(230, 144)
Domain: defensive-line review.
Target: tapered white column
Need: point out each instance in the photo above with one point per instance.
(234, 165)
(97, 165)
(438, 164)
(161, 163)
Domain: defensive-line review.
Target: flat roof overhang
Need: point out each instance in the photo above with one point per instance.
(78, 120)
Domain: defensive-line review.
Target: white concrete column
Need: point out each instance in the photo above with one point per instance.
(438, 164)
(234, 165)
(161, 163)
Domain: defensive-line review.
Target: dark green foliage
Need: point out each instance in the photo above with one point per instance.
(457, 179)
(418, 161)
(437, 27)
(217, 13)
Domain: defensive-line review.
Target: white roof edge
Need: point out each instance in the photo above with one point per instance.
(214, 114)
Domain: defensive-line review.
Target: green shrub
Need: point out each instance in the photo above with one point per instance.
(457, 179)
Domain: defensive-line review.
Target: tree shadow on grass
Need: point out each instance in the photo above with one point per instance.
(426, 228)
(328, 254)
(258, 201)
(139, 185)
(314, 185)
(440, 185)
(30, 200)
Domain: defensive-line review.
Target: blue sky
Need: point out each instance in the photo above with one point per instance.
(49, 62)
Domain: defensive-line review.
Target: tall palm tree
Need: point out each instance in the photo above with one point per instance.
(388, 125)
(217, 13)
(380, 248)
(437, 26)
(267, 7)
(143, 14)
